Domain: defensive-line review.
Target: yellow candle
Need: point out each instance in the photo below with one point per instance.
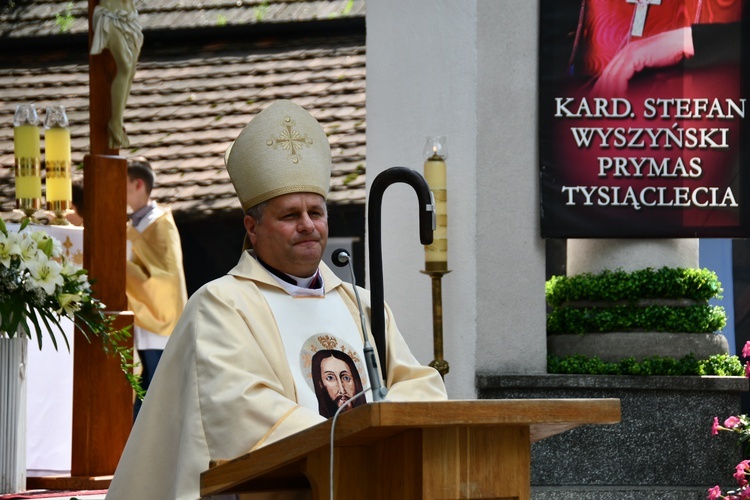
(26, 141)
(436, 254)
(57, 159)
(28, 187)
(57, 145)
(28, 162)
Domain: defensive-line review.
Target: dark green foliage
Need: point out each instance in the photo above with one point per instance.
(692, 319)
(649, 283)
(718, 364)
(612, 301)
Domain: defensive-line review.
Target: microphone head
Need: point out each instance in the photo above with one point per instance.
(340, 257)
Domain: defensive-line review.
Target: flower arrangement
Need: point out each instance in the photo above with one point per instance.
(739, 424)
(39, 286)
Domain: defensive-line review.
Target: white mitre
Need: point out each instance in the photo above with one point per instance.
(282, 150)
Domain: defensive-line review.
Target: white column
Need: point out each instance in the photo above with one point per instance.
(421, 81)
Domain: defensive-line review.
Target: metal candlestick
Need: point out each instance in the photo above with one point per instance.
(440, 364)
(59, 208)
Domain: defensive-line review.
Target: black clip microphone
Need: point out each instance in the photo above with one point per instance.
(341, 258)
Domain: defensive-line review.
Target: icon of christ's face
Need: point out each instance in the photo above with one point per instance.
(337, 380)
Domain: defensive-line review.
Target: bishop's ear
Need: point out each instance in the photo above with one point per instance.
(250, 228)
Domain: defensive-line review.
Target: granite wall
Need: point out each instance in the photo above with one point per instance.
(663, 447)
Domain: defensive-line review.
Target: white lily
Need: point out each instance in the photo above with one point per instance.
(45, 273)
(69, 303)
(69, 269)
(29, 249)
(9, 248)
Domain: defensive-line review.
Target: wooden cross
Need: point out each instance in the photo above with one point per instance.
(102, 397)
(639, 17)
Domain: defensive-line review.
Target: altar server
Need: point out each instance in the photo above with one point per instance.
(154, 279)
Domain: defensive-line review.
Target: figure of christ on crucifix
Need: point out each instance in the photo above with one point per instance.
(116, 28)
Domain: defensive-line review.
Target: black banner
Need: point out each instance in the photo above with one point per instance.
(643, 126)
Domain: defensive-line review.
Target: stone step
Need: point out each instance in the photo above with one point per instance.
(612, 347)
(618, 493)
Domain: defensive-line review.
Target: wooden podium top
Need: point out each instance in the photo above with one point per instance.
(378, 421)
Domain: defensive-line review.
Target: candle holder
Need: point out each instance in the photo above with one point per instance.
(57, 164)
(439, 363)
(436, 254)
(28, 160)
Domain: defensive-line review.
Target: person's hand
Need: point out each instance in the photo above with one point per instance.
(658, 51)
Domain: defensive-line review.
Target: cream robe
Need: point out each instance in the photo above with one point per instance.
(155, 283)
(224, 387)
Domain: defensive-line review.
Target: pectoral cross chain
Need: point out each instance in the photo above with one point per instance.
(639, 18)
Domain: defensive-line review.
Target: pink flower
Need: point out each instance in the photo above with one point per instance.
(745, 493)
(715, 427)
(747, 369)
(732, 422)
(741, 471)
(714, 493)
(746, 350)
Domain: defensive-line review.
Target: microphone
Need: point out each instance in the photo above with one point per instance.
(341, 258)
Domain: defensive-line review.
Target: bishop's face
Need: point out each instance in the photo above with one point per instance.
(292, 233)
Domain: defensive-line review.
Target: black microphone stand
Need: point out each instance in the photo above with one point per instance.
(426, 227)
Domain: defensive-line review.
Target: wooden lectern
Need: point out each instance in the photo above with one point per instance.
(422, 450)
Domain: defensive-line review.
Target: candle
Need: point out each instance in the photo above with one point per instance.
(28, 158)
(57, 159)
(436, 254)
(57, 156)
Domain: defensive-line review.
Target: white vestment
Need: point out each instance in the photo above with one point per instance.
(224, 386)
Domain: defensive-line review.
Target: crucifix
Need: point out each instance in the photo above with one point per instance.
(102, 396)
(639, 17)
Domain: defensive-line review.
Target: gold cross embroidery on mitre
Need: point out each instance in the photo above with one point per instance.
(290, 140)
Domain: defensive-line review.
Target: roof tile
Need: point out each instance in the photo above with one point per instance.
(185, 110)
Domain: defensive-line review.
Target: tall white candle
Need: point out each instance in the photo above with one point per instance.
(435, 173)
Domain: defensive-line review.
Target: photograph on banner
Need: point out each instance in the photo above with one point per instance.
(643, 118)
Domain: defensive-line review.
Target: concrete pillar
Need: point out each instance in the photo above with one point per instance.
(594, 256)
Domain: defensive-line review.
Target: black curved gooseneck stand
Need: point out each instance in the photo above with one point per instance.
(426, 227)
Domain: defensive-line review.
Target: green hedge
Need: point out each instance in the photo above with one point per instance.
(692, 319)
(718, 364)
(649, 283)
(615, 295)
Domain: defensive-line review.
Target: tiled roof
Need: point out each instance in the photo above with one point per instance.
(191, 97)
(35, 18)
